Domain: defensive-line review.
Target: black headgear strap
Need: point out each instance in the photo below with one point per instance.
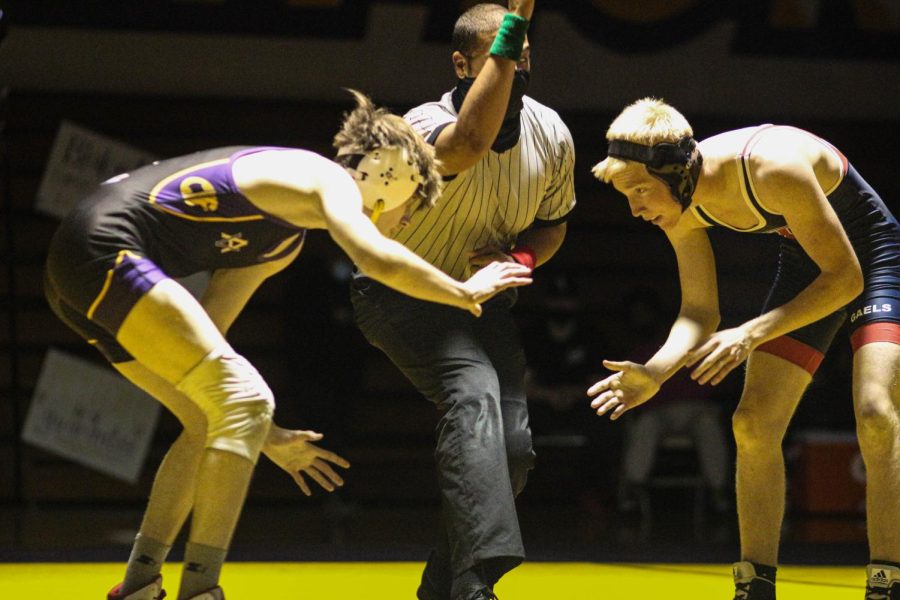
(677, 165)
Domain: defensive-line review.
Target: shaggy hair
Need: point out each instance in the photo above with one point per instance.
(648, 121)
(366, 128)
(473, 25)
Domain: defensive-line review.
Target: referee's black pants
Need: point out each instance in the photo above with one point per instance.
(473, 370)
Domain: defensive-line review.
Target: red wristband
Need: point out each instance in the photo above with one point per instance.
(524, 256)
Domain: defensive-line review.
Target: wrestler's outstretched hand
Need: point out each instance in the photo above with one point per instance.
(493, 279)
(293, 451)
(482, 257)
(630, 385)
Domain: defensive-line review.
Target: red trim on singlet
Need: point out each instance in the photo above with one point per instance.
(785, 232)
(875, 332)
(804, 356)
(845, 164)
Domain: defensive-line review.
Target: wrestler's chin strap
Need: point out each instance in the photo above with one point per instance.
(675, 164)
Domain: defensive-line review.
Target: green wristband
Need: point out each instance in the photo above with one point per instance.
(511, 37)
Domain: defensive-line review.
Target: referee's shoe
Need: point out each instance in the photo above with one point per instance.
(483, 594)
(748, 585)
(883, 582)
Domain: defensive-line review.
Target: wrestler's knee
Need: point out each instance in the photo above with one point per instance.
(877, 425)
(237, 403)
(754, 427)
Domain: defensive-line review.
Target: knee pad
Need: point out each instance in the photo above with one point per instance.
(236, 401)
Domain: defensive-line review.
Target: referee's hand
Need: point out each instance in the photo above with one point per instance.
(482, 257)
(523, 8)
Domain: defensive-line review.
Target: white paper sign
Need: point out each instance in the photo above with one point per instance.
(79, 161)
(91, 415)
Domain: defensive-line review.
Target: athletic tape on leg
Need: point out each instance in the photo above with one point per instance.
(236, 401)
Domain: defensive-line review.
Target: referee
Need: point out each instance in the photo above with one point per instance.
(507, 164)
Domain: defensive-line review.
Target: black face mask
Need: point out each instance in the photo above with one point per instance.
(509, 130)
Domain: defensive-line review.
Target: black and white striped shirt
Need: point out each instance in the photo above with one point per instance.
(500, 196)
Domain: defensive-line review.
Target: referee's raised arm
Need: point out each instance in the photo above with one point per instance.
(491, 60)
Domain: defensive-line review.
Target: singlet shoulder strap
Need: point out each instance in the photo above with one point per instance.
(747, 187)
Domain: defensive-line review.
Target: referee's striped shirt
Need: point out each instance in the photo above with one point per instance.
(500, 196)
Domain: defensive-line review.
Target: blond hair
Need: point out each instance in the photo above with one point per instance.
(647, 121)
(366, 128)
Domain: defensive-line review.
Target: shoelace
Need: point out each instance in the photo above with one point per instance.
(742, 591)
(877, 593)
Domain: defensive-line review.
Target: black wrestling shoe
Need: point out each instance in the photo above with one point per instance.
(883, 582)
(424, 593)
(750, 586)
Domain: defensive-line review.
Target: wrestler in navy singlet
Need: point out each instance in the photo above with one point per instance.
(172, 218)
(874, 234)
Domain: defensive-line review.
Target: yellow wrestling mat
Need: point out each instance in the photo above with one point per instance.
(397, 581)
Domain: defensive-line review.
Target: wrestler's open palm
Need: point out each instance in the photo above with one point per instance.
(719, 354)
(482, 257)
(491, 280)
(630, 386)
(293, 451)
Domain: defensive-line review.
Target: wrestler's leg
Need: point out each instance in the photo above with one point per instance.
(876, 401)
(172, 494)
(772, 390)
(168, 332)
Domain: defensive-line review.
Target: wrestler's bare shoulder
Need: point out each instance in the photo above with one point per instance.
(727, 144)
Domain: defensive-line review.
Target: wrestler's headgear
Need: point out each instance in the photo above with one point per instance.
(677, 165)
(387, 177)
